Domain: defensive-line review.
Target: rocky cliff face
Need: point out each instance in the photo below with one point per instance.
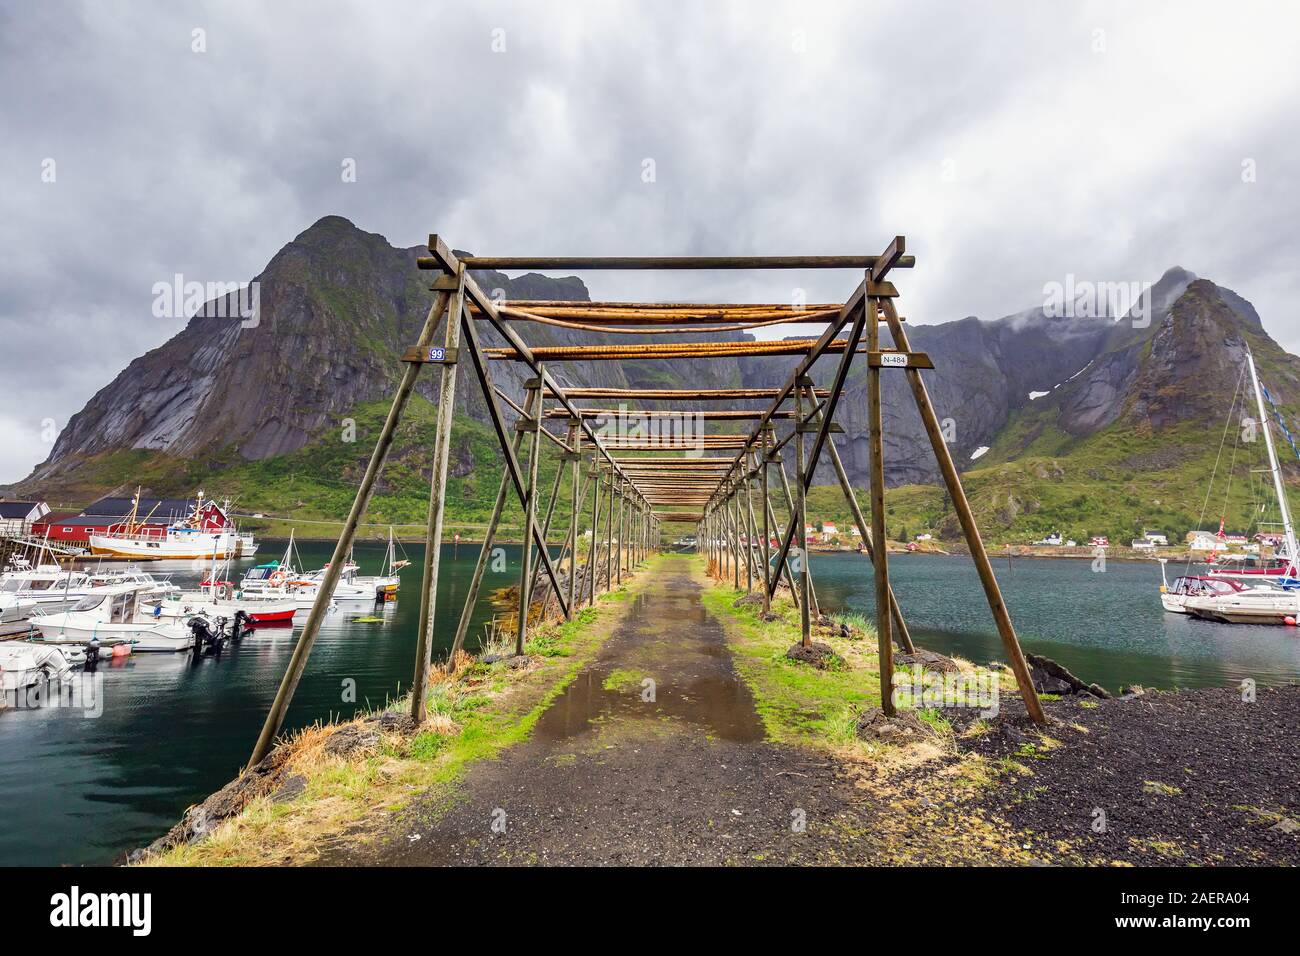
(339, 305)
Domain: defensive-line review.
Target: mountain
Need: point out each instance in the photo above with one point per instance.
(262, 409)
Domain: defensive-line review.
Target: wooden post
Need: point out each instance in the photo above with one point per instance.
(595, 532)
(801, 511)
(622, 537)
(530, 515)
(574, 507)
(302, 649)
(880, 543)
(749, 530)
(480, 566)
(900, 627)
(952, 480)
(767, 531)
(609, 536)
(437, 508)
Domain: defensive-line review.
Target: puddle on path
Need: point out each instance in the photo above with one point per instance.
(667, 661)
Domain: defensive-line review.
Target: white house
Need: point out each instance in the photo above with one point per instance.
(1052, 539)
(1156, 538)
(1205, 541)
(1142, 544)
(16, 517)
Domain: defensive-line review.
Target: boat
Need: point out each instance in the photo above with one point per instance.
(14, 608)
(115, 613)
(149, 585)
(24, 665)
(349, 586)
(216, 598)
(48, 587)
(190, 538)
(1219, 594)
(284, 581)
(387, 581)
(1173, 597)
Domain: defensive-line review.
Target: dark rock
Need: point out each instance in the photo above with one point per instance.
(1050, 677)
(747, 600)
(873, 724)
(489, 658)
(928, 660)
(350, 739)
(1131, 691)
(818, 655)
(391, 721)
(293, 785)
(518, 661)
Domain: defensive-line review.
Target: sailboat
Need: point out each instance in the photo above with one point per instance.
(1276, 601)
(387, 581)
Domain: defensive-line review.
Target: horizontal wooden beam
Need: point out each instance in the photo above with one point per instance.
(586, 263)
(680, 394)
(729, 414)
(674, 350)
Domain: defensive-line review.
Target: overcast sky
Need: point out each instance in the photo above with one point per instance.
(1012, 143)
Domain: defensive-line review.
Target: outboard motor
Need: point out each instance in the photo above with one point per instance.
(205, 638)
(240, 625)
(92, 654)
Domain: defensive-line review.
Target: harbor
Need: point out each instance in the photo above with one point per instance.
(173, 730)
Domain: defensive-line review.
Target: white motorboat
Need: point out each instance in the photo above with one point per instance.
(149, 585)
(48, 586)
(24, 664)
(115, 614)
(14, 608)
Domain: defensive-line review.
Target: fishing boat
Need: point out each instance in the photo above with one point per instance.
(281, 580)
(217, 598)
(192, 537)
(115, 613)
(24, 665)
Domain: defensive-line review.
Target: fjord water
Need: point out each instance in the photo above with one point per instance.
(77, 790)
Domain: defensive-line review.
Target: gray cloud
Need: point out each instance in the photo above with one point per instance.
(1013, 143)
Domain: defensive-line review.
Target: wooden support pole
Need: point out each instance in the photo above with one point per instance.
(530, 516)
(880, 560)
(767, 531)
(801, 517)
(437, 510)
(609, 537)
(595, 532)
(302, 649)
(952, 480)
(749, 532)
(574, 508)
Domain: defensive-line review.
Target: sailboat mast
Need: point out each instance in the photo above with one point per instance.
(1273, 465)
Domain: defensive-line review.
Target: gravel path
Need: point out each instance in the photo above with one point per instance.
(610, 776)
